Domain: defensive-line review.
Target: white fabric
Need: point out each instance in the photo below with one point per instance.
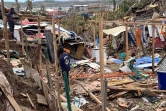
(150, 31)
(125, 69)
(17, 35)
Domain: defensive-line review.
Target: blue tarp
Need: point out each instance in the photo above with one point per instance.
(61, 29)
(118, 61)
(141, 63)
(144, 62)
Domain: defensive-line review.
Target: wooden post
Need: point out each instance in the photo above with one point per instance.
(94, 34)
(3, 14)
(153, 34)
(56, 62)
(104, 106)
(101, 54)
(59, 31)
(5, 31)
(127, 50)
(39, 42)
(22, 38)
(48, 72)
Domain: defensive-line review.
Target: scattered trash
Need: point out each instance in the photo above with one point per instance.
(162, 104)
(124, 103)
(134, 108)
(145, 100)
(79, 102)
(64, 106)
(153, 99)
(18, 71)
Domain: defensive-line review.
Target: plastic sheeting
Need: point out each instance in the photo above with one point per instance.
(114, 31)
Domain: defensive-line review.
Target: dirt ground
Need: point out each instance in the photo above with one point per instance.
(12, 46)
(21, 85)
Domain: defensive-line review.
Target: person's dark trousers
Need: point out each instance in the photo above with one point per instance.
(11, 28)
(67, 78)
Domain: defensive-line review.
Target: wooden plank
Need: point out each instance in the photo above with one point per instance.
(40, 54)
(117, 95)
(41, 100)
(26, 109)
(12, 101)
(94, 97)
(56, 63)
(101, 61)
(127, 47)
(153, 36)
(94, 34)
(4, 87)
(135, 89)
(48, 72)
(22, 38)
(5, 31)
(30, 101)
(59, 31)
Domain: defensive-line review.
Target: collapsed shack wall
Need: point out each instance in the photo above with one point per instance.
(21, 85)
(49, 95)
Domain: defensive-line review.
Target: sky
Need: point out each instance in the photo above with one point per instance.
(25, 0)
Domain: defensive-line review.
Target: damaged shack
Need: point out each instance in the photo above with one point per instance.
(115, 65)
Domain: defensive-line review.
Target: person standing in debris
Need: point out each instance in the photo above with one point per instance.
(11, 22)
(64, 62)
(127, 66)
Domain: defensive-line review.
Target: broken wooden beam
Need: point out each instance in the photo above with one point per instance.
(30, 101)
(41, 100)
(3, 86)
(106, 75)
(13, 102)
(94, 97)
(113, 96)
(135, 89)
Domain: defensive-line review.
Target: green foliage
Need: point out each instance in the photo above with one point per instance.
(42, 7)
(59, 8)
(121, 11)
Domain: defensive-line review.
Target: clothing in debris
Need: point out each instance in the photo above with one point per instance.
(138, 37)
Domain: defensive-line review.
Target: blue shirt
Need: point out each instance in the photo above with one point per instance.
(64, 62)
(9, 17)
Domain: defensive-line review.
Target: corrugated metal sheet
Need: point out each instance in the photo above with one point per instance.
(162, 64)
(114, 31)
